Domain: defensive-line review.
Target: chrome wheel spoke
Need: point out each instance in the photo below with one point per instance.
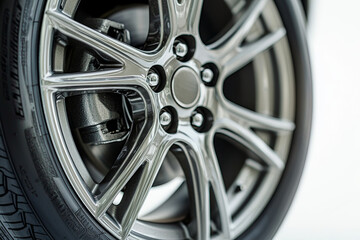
(112, 48)
(203, 211)
(198, 184)
(218, 186)
(185, 15)
(146, 181)
(69, 7)
(256, 120)
(250, 141)
(242, 28)
(245, 54)
(149, 155)
(99, 80)
(138, 174)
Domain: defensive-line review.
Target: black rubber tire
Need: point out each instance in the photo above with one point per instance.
(55, 209)
(36, 200)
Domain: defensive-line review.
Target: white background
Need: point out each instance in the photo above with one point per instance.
(327, 205)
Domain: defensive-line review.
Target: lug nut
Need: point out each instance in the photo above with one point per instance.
(181, 49)
(197, 120)
(165, 119)
(153, 79)
(207, 75)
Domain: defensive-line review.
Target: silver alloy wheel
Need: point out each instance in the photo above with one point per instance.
(258, 37)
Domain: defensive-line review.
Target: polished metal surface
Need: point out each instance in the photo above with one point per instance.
(184, 92)
(181, 49)
(197, 120)
(153, 79)
(185, 87)
(207, 75)
(165, 119)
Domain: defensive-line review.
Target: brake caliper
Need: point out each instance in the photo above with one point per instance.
(111, 28)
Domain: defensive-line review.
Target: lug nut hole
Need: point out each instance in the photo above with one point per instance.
(156, 78)
(168, 119)
(184, 47)
(209, 74)
(202, 119)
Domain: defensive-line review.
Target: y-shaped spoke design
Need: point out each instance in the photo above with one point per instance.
(237, 59)
(194, 167)
(112, 48)
(184, 15)
(251, 141)
(232, 52)
(146, 163)
(251, 119)
(242, 28)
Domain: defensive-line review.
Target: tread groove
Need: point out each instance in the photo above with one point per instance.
(17, 220)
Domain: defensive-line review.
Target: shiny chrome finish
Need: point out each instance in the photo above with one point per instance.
(181, 49)
(197, 120)
(207, 75)
(184, 92)
(153, 79)
(185, 87)
(165, 119)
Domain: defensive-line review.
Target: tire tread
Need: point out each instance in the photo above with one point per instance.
(17, 219)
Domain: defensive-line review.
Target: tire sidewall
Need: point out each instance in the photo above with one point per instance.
(25, 132)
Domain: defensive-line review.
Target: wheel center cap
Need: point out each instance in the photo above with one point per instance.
(185, 87)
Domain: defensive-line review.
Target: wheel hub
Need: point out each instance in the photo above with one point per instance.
(185, 87)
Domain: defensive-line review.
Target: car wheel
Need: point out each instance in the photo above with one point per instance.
(155, 119)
